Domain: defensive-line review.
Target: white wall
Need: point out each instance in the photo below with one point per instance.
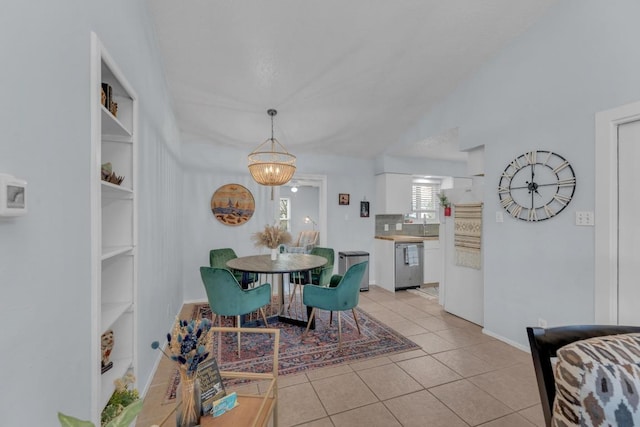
(208, 166)
(542, 92)
(463, 290)
(44, 256)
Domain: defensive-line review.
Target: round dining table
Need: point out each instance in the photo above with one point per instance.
(284, 263)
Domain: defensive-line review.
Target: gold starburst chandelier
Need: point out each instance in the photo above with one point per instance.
(272, 167)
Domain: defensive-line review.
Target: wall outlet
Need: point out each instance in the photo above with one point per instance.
(399, 226)
(542, 323)
(499, 216)
(386, 227)
(584, 218)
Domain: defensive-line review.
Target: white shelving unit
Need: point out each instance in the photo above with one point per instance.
(114, 224)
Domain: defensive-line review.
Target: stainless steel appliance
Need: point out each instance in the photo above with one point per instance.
(349, 258)
(409, 265)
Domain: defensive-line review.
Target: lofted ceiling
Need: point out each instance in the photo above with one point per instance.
(348, 77)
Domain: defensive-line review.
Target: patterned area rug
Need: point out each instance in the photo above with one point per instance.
(319, 348)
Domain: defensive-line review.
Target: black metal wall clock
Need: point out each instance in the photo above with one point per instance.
(536, 185)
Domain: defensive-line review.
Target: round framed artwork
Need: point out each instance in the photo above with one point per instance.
(232, 204)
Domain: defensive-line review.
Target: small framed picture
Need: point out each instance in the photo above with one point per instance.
(13, 196)
(364, 209)
(343, 199)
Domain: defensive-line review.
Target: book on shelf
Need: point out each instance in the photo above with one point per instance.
(106, 88)
(211, 385)
(224, 404)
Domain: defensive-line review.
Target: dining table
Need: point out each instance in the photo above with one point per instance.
(285, 263)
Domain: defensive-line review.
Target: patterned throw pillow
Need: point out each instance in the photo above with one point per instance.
(579, 363)
(609, 396)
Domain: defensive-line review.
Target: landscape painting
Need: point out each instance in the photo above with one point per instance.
(232, 204)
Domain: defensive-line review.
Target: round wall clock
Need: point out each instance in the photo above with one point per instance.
(232, 204)
(536, 186)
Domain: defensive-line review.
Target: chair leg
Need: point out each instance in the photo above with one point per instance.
(238, 320)
(330, 318)
(264, 317)
(219, 339)
(292, 294)
(313, 313)
(353, 310)
(339, 330)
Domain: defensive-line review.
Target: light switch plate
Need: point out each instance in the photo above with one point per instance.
(499, 216)
(386, 227)
(399, 226)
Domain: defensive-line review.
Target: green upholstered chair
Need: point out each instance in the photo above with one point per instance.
(319, 276)
(218, 258)
(343, 296)
(227, 298)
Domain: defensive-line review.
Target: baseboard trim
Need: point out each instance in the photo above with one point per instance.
(506, 340)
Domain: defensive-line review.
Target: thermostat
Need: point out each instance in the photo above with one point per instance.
(13, 196)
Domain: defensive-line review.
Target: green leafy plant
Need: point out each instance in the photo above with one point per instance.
(123, 406)
(121, 398)
(444, 201)
(124, 419)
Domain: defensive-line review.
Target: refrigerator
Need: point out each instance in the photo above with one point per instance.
(349, 258)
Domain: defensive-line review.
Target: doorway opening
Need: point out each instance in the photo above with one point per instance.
(308, 185)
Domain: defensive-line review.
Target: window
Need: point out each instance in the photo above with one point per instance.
(425, 206)
(285, 213)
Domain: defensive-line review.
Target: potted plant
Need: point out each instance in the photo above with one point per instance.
(123, 406)
(445, 203)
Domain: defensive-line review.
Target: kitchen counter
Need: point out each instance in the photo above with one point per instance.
(407, 239)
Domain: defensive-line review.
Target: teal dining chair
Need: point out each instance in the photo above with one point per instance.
(343, 296)
(219, 257)
(227, 298)
(320, 276)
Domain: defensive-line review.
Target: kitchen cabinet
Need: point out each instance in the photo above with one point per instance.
(432, 261)
(384, 265)
(393, 193)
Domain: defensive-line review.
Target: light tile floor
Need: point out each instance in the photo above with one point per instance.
(460, 377)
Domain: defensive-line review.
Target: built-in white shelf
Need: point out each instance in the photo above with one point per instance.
(114, 234)
(114, 191)
(111, 125)
(114, 251)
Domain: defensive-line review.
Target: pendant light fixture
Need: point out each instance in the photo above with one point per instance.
(272, 167)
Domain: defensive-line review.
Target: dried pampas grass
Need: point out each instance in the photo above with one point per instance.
(271, 237)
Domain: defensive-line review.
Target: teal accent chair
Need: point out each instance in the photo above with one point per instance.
(218, 258)
(320, 276)
(227, 298)
(343, 296)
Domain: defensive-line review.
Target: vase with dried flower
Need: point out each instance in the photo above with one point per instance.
(187, 345)
(272, 237)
